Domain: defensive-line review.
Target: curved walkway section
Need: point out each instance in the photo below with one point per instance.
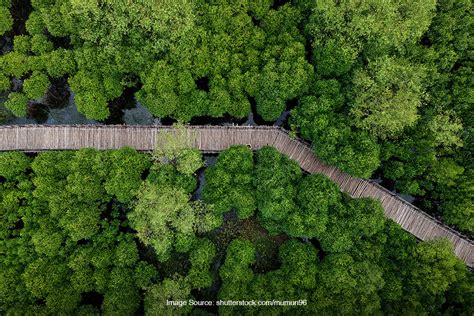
(34, 138)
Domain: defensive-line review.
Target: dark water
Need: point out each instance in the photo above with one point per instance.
(390, 185)
(58, 107)
(55, 114)
(209, 160)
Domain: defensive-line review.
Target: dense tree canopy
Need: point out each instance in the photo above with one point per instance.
(5, 17)
(68, 242)
(381, 89)
(164, 216)
(376, 87)
(392, 92)
(334, 140)
(166, 50)
(231, 178)
(275, 181)
(115, 232)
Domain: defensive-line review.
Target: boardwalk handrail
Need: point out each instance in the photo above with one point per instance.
(33, 138)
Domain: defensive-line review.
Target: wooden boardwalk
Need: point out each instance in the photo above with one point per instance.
(34, 138)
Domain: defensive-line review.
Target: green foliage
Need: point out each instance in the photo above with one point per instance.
(167, 175)
(43, 276)
(334, 141)
(189, 161)
(418, 274)
(5, 83)
(370, 28)
(401, 101)
(175, 147)
(91, 98)
(351, 221)
(175, 289)
(51, 169)
(36, 86)
(63, 236)
(59, 62)
(435, 270)
(255, 51)
(86, 175)
(40, 44)
(457, 202)
(6, 19)
(276, 178)
(207, 219)
(348, 286)
(201, 258)
(67, 239)
(144, 274)
(17, 103)
(240, 254)
(317, 195)
(229, 183)
(285, 74)
(296, 276)
(13, 164)
(166, 96)
(442, 139)
(384, 86)
(15, 64)
(35, 24)
(80, 221)
(299, 264)
(125, 173)
(22, 44)
(161, 216)
(460, 295)
(119, 286)
(386, 96)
